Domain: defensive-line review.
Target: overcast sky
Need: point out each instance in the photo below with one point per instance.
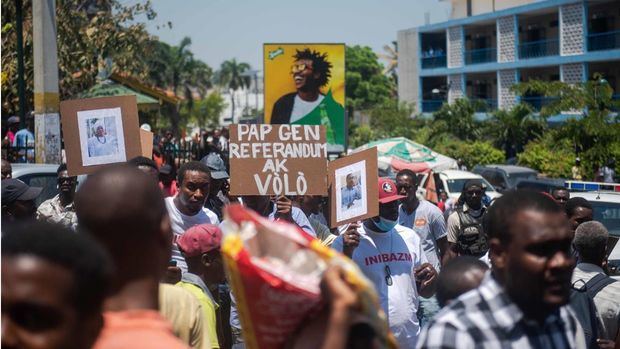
(225, 29)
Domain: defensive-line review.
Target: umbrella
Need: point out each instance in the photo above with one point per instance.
(109, 88)
(401, 153)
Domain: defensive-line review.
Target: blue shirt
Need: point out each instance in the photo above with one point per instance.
(299, 217)
(349, 195)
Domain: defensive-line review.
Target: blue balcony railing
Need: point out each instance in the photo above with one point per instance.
(536, 49)
(438, 61)
(538, 102)
(482, 105)
(604, 41)
(432, 105)
(482, 55)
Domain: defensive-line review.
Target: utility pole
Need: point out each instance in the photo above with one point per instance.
(46, 92)
(20, 62)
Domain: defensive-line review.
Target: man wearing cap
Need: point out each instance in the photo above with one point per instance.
(18, 201)
(391, 256)
(167, 183)
(465, 233)
(218, 177)
(200, 246)
(24, 138)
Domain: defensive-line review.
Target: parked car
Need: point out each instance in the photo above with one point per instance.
(545, 185)
(452, 181)
(505, 177)
(40, 175)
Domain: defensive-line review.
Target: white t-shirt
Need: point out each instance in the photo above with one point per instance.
(401, 251)
(427, 220)
(180, 223)
(302, 108)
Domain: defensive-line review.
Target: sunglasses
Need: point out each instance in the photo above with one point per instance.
(298, 68)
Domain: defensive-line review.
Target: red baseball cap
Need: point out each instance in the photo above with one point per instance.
(388, 191)
(200, 239)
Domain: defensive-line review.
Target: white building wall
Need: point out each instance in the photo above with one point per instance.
(408, 58)
(455, 46)
(572, 40)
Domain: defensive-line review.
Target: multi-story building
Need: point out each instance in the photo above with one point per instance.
(484, 49)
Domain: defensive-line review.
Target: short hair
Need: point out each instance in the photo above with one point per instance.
(556, 189)
(573, 203)
(143, 161)
(320, 64)
(590, 240)
(62, 167)
(191, 166)
(408, 172)
(84, 258)
(450, 280)
(500, 217)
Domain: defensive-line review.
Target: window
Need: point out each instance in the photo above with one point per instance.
(46, 181)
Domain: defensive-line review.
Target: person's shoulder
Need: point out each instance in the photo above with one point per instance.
(213, 218)
(407, 233)
(431, 208)
(287, 98)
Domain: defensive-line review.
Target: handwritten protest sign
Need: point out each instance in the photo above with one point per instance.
(278, 160)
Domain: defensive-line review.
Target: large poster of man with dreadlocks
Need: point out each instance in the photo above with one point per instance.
(304, 84)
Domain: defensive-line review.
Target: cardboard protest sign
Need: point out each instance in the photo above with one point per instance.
(305, 85)
(99, 131)
(278, 160)
(353, 187)
(146, 143)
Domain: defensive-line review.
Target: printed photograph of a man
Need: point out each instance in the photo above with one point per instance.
(310, 72)
(351, 193)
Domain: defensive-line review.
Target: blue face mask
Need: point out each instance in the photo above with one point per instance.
(384, 224)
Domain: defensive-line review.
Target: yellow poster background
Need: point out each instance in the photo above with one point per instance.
(278, 78)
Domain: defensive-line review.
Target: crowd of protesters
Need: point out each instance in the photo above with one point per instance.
(132, 259)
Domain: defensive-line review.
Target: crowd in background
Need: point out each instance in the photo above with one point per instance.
(132, 259)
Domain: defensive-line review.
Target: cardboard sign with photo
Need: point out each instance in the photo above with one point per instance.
(278, 160)
(99, 131)
(353, 187)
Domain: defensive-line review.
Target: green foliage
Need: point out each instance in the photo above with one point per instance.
(550, 155)
(458, 119)
(472, 153)
(594, 134)
(512, 129)
(231, 75)
(393, 119)
(360, 135)
(205, 112)
(366, 84)
(85, 41)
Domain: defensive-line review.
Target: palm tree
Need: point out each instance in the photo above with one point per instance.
(513, 128)
(391, 57)
(176, 68)
(231, 76)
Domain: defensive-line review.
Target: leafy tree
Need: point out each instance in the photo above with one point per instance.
(175, 68)
(550, 155)
(393, 119)
(458, 119)
(206, 112)
(360, 135)
(596, 130)
(512, 129)
(231, 75)
(367, 86)
(472, 153)
(88, 34)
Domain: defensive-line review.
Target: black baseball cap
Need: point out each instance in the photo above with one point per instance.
(215, 163)
(14, 189)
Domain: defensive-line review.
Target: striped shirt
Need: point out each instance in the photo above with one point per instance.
(487, 318)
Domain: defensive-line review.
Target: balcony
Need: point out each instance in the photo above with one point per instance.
(537, 49)
(483, 55)
(436, 61)
(432, 105)
(538, 102)
(604, 41)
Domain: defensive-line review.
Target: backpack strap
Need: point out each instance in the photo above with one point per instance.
(597, 283)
